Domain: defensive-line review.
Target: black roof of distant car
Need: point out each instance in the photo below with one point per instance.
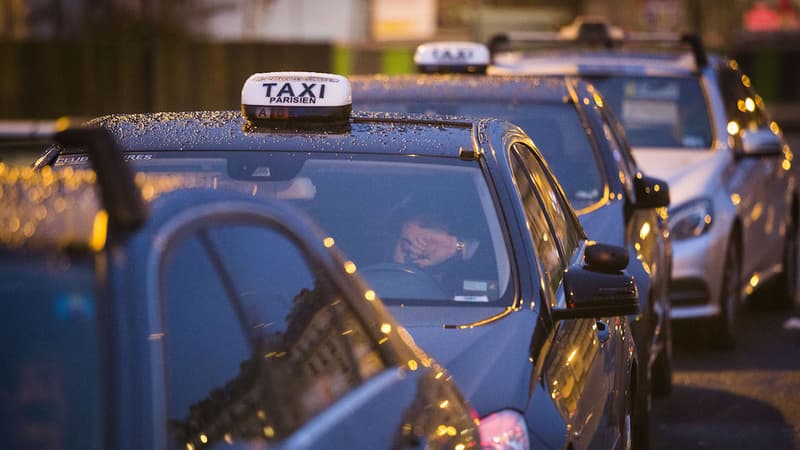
(228, 130)
(455, 86)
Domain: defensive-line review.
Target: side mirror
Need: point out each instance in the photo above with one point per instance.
(650, 192)
(599, 287)
(760, 143)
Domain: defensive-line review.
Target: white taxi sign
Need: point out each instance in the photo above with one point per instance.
(453, 56)
(291, 95)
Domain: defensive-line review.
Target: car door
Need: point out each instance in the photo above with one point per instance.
(760, 181)
(578, 370)
(262, 348)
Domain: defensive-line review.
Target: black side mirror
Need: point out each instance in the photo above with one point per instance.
(760, 143)
(650, 192)
(599, 287)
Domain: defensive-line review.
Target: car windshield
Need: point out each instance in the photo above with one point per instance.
(418, 229)
(555, 128)
(659, 111)
(49, 383)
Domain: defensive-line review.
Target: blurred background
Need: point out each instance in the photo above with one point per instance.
(90, 57)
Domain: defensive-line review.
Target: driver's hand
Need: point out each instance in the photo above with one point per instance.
(424, 247)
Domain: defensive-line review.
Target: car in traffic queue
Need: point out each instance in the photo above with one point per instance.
(583, 145)
(163, 314)
(695, 120)
(526, 314)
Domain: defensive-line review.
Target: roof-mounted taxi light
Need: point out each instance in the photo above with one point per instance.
(296, 98)
(452, 57)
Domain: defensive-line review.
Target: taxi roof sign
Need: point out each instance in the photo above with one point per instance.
(275, 97)
(452, 57)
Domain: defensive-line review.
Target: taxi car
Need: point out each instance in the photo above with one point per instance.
(583, 145)
(526, 314)
(695, 120)
(160, 314)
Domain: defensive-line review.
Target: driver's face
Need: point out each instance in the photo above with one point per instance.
(424, 247)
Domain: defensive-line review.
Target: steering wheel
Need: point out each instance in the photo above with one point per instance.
(402, 281)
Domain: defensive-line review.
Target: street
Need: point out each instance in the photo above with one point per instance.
(747, 398)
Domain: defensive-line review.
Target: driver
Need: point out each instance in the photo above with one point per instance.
(426, 242)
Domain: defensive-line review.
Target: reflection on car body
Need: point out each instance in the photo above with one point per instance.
(695, 120)
(567, 363)
(199, 319)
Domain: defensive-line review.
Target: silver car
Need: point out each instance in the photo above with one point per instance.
(694, 120)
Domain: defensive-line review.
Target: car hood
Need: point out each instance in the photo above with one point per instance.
(687, 172)
(489, 362)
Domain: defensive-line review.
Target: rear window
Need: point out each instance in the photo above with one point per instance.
(49, 383)
(659, 111)
(555, 128)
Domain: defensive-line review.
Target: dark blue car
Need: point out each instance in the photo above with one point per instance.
(584, 145)
(199, 318)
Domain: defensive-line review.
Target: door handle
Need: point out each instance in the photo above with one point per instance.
(603, 332)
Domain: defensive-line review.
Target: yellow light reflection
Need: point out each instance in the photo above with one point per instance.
(386, 328)
(746, 80)
(444, 404)
(786, 165)
(707, 219)
(740, 105)
(412, 364)
(328, 242)
(460, 447)
(598, 100)
(754, 280)
(572, 356)
(657, 187)
(189, 446)
(350, 267)
(99, 230)
(228, 438)
(451, 431)
(269, 431)
(439, 375)
(644, 231)
(369, 295)
(204, 439)
(773, 126)
(749, 104)
(637, 246)
(736, 199)
(586, 101)
(733, 127)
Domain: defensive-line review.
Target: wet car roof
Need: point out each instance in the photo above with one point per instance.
(227, 130)
(473, 87)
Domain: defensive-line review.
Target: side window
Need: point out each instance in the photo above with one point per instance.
(256, 342)
(623, 159)
(566, 230)
(542, 237)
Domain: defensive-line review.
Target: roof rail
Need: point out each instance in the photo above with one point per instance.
(592, 32)
(119, 194)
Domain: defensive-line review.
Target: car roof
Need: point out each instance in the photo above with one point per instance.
(596, 62)
(383, 133)
(458, 86)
